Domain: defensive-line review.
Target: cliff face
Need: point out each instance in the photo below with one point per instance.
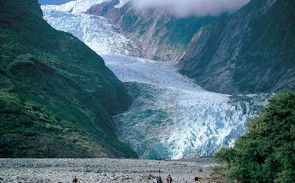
(56, 95)
(250, 51)
(159, 36)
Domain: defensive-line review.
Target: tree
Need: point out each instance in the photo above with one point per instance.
(266, 153)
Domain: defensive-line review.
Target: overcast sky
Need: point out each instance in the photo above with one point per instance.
(181, 8)
(184, 8)
(53, 1)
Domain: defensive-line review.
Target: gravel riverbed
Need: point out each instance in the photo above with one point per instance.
(100, 170)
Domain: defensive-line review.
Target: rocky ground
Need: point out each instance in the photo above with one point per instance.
(100, 170)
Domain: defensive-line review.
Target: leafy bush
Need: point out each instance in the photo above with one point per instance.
(266, 152)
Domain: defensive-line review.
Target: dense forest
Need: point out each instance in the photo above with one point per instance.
(266, 152)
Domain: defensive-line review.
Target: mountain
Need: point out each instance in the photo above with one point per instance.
(250, 51)
(90, 29)
(159, 36)
(171, 117)
(57, 97)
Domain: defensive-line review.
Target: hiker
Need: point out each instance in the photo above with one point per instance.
(169, 179)
(75, 180)
(159, 179)
(197, 179)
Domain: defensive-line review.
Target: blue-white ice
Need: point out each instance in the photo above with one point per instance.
(95, 31)
(171, 117)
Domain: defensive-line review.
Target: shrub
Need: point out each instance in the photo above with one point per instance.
(266, 152)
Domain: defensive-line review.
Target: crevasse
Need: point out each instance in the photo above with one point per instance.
(171, 117)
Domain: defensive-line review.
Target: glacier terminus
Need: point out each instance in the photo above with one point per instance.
(171, 117)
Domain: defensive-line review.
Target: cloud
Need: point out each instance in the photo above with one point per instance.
(53, 1)
(183, 8)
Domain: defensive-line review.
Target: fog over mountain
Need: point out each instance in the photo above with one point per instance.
(171, 117)
(184, 8)
(52, 1)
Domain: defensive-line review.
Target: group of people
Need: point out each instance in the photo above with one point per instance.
(159, 179)
(168, 179)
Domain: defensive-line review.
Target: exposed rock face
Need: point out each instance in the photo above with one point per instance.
(250, 51)
(159, 36)
(170, 116)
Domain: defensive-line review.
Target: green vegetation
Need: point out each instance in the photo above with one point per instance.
(158, 30)
(275, 29)
(266, 152)
(271, 46)
(183, 29)
(250, 51)
(56, 95)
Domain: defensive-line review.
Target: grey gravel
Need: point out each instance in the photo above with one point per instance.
(100, 170)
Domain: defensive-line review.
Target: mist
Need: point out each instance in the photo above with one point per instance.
(184, 8)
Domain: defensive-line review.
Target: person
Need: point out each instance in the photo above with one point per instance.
(169, 179)
(159, 179)
(75, 180)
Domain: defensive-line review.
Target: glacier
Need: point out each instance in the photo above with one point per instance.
(95, 31)
(171, 117)
(75, 7)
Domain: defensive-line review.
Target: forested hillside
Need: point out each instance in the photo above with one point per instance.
(56, 95)
(266, 152)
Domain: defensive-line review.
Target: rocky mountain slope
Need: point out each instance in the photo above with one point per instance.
(251, 51)
(170, 117)
(158, 35)
(56, 95)
(95, 31)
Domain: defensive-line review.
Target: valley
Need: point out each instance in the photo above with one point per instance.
(171, 117)
(129, 90)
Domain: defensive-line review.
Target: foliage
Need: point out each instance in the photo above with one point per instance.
(218, 173)
(266, 152)
(56, 94)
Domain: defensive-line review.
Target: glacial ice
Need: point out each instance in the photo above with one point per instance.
(171, 116)
(75, 7)
(94, 31)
